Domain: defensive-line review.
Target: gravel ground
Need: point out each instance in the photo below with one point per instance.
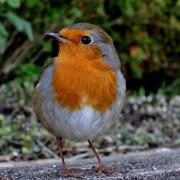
(160, 164)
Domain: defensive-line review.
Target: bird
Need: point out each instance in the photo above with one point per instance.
(80, 94)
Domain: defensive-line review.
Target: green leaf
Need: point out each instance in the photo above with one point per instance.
(76, 12)
(127, 7)
(141, 91)
(100, 10)
(28, 30)
(21, 24)
(25, 150)
(2, 1)
(3, 38)
(3, 31)
(3, 43)
(137, 72)
(47, 47)
(6, 130)
(14, 3)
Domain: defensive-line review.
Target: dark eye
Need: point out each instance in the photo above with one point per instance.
(86, 39)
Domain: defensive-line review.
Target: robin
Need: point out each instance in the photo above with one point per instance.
(80, 94)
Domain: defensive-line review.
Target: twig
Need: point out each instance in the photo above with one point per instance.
(47, 150)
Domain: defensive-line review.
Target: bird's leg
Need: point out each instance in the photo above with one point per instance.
(60, 146)
(65, 172)
(101, 168)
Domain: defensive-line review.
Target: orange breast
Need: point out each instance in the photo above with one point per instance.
(78, 82)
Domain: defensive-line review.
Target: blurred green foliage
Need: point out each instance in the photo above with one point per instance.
(146, 34)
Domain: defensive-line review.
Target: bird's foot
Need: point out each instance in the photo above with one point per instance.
(103, 169)
(67, 173)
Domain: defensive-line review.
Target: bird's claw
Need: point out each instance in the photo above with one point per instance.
(103, 169)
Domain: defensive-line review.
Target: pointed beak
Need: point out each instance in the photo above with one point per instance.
(57, 37)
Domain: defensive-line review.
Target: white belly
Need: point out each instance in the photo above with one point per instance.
(79, 125)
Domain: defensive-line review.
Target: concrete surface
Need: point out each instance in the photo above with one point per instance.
(160, 164)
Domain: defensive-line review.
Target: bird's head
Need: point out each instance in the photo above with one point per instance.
(86, 42)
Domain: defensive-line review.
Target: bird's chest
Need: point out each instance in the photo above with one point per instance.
(75, 87)
(86, 121)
